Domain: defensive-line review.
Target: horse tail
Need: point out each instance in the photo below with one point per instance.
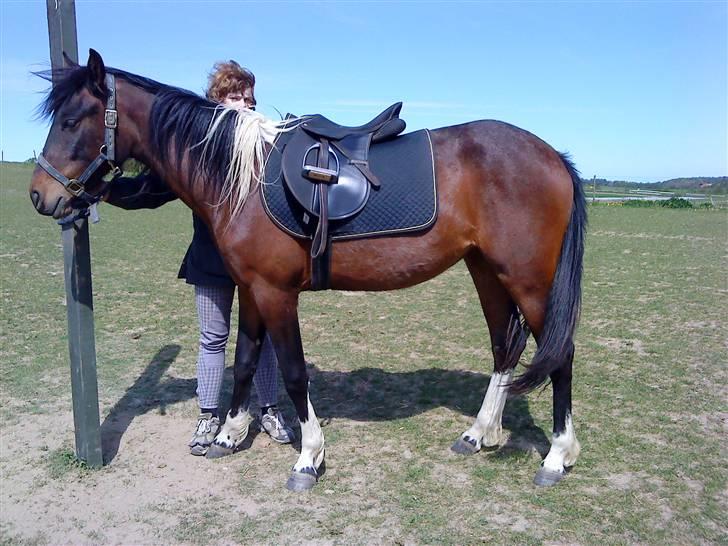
(556, 343)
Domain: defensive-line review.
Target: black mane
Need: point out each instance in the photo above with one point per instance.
(178, 122)
(70, 80)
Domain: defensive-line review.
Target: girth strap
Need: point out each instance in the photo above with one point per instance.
(321, 268)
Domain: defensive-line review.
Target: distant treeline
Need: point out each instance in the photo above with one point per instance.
(707, 184)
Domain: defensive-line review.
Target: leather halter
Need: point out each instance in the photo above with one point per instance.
(107, 155)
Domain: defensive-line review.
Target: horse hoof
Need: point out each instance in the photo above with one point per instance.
(302, 481)
(216, 451)
(546, 478)
(464, 447)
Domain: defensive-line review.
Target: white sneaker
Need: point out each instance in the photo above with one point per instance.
(207, 428)
(273, 423)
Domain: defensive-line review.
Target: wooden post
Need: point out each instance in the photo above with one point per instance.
(77, 269)
(594, 189)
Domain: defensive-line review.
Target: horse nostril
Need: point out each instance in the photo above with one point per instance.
(35, 198)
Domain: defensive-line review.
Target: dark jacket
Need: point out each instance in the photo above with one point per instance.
(202, 264)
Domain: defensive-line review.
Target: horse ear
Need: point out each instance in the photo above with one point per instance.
(96, 73)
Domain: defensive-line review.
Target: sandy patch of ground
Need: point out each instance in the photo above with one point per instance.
(151, 473)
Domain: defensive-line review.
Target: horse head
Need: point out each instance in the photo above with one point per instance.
(82, 145)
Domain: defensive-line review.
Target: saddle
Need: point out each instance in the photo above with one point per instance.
(325, 167)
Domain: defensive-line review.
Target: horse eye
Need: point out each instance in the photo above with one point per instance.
(70, 123)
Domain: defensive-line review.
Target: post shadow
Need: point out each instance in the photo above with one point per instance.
(145, 394)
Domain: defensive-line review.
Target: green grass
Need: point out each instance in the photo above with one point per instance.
(62, 462)
(396, 378)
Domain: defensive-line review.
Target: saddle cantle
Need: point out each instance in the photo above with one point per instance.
(319, 180)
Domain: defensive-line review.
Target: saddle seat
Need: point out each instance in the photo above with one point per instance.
(385, 125)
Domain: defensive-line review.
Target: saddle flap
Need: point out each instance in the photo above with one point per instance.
(346, 196)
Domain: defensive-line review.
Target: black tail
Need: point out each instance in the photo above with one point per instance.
(556, 343)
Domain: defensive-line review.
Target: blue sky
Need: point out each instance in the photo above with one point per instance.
(634, 90)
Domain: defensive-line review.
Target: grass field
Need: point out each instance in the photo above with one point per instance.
(395, 378)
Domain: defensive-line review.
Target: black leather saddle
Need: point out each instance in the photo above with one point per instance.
(326, 168)
(385, 125)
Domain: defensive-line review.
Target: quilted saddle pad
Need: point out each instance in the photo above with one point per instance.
(406, 202)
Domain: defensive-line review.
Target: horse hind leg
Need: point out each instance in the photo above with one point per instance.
(565, 447)
(508, 339)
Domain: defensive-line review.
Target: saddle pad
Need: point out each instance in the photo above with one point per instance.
(406, 201)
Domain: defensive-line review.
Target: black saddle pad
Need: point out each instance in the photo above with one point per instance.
(406, 201)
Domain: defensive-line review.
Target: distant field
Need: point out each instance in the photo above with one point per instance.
(616, 192)
(395, 378)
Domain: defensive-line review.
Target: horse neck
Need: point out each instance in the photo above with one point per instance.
(180, 178)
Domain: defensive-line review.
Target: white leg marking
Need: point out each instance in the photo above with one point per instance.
(312, 442)
(487, 429)
(234, 431)
(564, 450)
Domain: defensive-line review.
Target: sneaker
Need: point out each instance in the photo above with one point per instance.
(274, 424)
(207, 427)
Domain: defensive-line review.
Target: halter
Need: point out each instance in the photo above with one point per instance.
(107, 155)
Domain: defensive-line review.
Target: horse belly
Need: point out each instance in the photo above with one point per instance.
(390, 263)
(386, 264)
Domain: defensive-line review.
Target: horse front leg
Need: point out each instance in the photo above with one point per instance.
(280, 310)
(237, 422)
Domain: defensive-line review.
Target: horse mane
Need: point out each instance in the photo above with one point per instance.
(224, 146)
(249, 132)
(68, 81)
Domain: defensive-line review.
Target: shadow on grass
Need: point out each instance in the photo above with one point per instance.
(367, 394)
(373, 394)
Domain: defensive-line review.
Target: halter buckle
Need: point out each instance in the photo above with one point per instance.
(111, 118)
(74, 187)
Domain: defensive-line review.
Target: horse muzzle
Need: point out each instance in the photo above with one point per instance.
(56, 208)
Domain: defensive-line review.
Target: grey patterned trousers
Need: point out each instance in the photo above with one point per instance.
(213, 310)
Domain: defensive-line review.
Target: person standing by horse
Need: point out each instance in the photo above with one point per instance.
(231, 85)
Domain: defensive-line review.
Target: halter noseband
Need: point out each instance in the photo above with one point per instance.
(107, 155)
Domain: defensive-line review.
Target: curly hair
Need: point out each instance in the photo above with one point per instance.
(228, 77)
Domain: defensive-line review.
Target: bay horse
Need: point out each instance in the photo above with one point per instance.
(509, 205)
